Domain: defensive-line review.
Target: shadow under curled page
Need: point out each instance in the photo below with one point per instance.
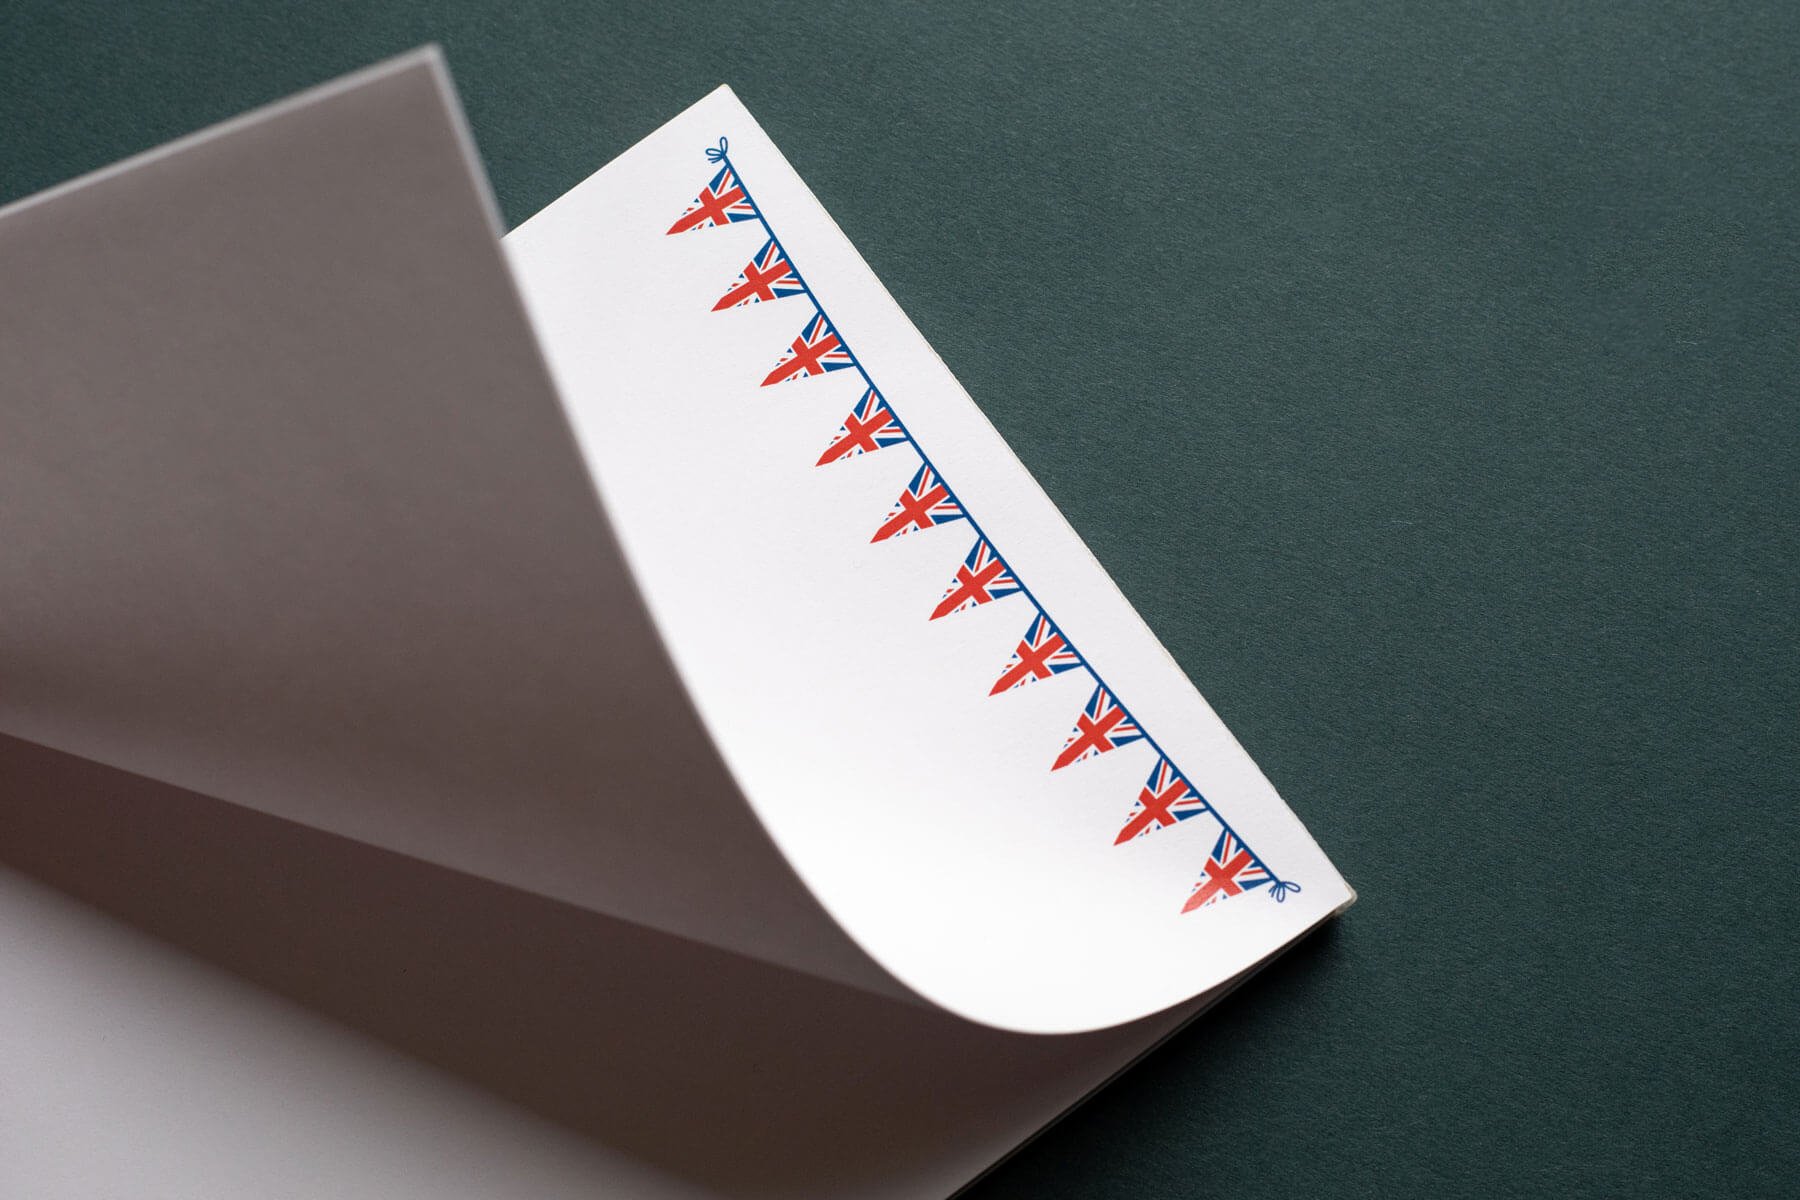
(321, 659)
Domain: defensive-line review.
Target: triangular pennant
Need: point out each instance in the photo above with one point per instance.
(1165, 800)
(1103, 725)
(1231, 870)
(870, 426)
(720, 203)
(981, 578)
(925, 502)
(1041, 653)
(816, 351)
(768, 276)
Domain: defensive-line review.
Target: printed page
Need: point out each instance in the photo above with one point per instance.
(947, 716)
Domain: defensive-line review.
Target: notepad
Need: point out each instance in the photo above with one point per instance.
(644, 590)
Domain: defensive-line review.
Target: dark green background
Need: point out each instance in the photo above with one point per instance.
(1425, 374)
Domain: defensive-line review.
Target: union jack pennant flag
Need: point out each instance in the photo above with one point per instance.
(768, 276)
(816, 351)
(870, 426)
(1102, 726)
(981, 578)
(1166, 799)
(1041, 653)
(1231, 870)
(722, 202)
(924, 503)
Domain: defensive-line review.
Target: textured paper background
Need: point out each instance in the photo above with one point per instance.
(1425, 378)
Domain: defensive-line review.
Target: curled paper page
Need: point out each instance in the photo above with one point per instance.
(818, 676)
(950, 720)
(295, 520)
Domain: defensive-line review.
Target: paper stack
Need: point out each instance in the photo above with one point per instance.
(618, 669)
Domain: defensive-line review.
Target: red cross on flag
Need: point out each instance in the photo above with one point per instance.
(1231, 871)
(1102, 726)
(720, 203)
(817, 350)
(870, 426)
(1041, 653)
(768, 276)
(925, 502)
(981, 578)
(1164, 800)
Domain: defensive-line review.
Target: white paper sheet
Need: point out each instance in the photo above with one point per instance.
(920, 809)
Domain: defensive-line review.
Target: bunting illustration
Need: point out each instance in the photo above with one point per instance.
(1041, 653)
(1167, 800)
(982, 578)
(768, 276)
(1102, 726)
(1231, 871)
(870, 426)
(720, 203)
(925, 502)
(816, 351)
